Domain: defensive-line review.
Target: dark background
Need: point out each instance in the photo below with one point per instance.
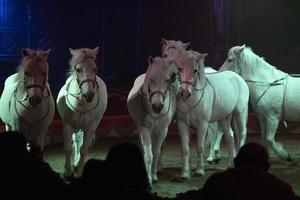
(128, 31)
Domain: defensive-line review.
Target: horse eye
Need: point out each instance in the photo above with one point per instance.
(230, 60)
(26, 73)
(78, 70)
(195, 71)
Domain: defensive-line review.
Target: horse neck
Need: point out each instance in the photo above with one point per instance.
(260, 71)
(73, 86)
(201, 77)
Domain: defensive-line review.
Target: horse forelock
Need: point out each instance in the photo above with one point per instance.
(38, 57)
(83, 57)
(188, 59)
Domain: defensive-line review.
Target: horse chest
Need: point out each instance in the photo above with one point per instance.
(27, 114)
(81, 119)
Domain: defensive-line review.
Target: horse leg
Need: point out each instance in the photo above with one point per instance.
(271, 128)
(225, 126)
(8, 127)
(263, 132)
(201, 135)
(239, 127)
(160, 159)
(157, 141)
(184, 134)
(87, 138)
(215, 154)
(145, 135)
(68, 150)
(77, 143)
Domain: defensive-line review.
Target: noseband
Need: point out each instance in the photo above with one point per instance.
(159, 92)
(94, 82)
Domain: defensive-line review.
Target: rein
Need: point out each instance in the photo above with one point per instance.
(148, 100)
(21, 102)
(76, 96)
(261, 83)
(198, 101)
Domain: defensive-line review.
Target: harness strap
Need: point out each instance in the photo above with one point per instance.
(77, 97)
(148, 100)
(199, 100)
(21, 102)
(274, 83)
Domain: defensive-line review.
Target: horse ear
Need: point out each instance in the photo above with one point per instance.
(96, 50)
(73, 52)
(185, 45)
(163, 41)
(150, 60)
(27, 52)
(46, 54)
(203, 55)
(240, 49)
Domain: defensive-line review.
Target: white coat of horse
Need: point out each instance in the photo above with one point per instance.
(152, 103)
(274, 95)
(173, 50)
(205, 98)
(26, 103)
(81, 103)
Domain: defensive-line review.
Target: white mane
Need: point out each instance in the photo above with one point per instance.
(251, 65)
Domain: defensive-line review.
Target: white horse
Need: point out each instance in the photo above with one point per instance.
(26, 103)
(81, 103)
(274, 95)
(173, 50)
(204, 98)
(152, 103)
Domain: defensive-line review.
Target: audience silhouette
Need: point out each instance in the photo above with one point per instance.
(24, 172)
(127, 172)
(249, 179)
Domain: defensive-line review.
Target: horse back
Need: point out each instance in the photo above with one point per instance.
(230, 91)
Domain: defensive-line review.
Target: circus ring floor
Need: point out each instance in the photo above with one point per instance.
(167, 185)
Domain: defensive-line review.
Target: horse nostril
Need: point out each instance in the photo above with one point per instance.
(89, 97)
(34, 101)
(185, 94)
(157, 107)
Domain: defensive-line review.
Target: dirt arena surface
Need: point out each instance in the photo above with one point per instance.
(168, 185)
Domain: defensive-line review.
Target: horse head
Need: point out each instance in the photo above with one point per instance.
(160, 74)
(190, 68)
(34, 72)
(173, 49)
(84, 68)
(232, 60)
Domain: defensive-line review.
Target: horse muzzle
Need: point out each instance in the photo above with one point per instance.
(185, 94)
(35, 100)
(157, 107)
(89, 96)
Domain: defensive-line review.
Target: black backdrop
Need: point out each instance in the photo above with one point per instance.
(128, 31)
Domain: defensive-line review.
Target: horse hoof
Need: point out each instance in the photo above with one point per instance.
(154, 181)
(69, 178)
